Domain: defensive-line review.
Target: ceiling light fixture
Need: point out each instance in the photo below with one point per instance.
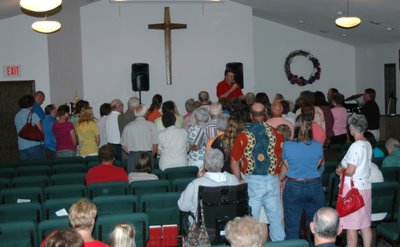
(348, 21)
(389, 29)
(40, 5)
(46, 26)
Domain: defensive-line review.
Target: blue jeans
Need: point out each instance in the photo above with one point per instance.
(32, 153)
(298, 196)
(264, 191)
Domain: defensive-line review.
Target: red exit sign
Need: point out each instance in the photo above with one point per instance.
(12, 70)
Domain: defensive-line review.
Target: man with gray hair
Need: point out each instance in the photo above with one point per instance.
(129, 115)
(325, 227)
(139, 136)
(211, 127)
(213, 162)
(393, 148)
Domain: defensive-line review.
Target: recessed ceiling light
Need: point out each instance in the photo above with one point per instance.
(389, 29)
(344, 35)
(340, 12)
(301, 22)
(374, 22)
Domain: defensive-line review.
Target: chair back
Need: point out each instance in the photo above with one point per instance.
(63, 168)
(29, 181)
(391, 173)
(19, 195)
(149, 187)
(288, 243)
(113, 204)
(384, 197)
(58, 208)
(179, 184)
(65, 191)
(108, 188)
(162, 208)
(20, 233)
(36, 170)
(180, 172)
(68, 178)
(105, 224)
(220, 205)
(12, 212)
(46, 227)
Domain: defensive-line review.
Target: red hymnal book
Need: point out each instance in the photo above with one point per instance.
(155, 236)
(170, 235)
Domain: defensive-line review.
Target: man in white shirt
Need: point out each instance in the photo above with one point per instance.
(139, 136)
(112, 129)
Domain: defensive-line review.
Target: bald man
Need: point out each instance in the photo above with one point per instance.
(259, 168)
(276, 120)
(129, 115)
(325, 227)
(113, 135)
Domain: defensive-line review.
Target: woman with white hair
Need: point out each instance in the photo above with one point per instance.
(196, 138)
(357, 166)
(244, 232)
(213, 177)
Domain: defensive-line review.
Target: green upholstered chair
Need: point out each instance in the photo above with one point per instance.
(66, 160)
(180, 172)
(391, 173)
(162, 208)
(12, 212)
(68, 178)
(7, 172)
(63, 168)
(18, 233)
(287, 243)
(37, 170)
(29, 181)
(384, 196)
(106, 223)
(149, 186)
(179, 184)
(110, 188)
(58, 208)
(390, 231)
(17, 195)
(113, 204)
(64, 191)
(46, 227)
(4, 183)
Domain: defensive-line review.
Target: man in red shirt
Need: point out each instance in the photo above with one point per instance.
(228, 88)
(106, 171)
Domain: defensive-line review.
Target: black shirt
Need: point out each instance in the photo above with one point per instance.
(371, 112)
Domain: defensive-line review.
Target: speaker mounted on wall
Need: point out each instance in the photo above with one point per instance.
(238, 70)
(140, 77)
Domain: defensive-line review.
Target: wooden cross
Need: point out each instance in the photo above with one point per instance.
(167, 26)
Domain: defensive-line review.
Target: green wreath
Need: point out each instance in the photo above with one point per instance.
(301, 81)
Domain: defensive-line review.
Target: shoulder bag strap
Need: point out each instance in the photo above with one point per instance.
(29, 118)
(342, 183)
(202, 214)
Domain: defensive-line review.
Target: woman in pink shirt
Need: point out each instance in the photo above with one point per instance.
(339, 119)
(64, 133)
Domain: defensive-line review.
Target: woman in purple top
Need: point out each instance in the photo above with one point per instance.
(64, 133)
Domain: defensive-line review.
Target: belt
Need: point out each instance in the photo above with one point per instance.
(303, 179)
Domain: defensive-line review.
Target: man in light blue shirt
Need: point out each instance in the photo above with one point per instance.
(49, 139)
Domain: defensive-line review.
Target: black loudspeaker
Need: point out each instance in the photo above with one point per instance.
(140, 77)
(238, 70)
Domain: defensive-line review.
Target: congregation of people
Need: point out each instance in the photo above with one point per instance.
(277, 147)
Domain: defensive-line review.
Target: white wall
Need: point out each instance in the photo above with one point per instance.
(116, 36)
(273, 43)
(370, 62)
(20, 45)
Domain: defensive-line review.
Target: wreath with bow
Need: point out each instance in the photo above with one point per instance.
(300, 80)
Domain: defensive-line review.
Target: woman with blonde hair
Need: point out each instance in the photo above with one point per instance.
(123, 235)
(88, 133)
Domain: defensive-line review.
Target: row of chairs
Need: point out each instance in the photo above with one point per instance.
(77, 159)
(38, 194)
(162, 207)
(30, 234)
(59, 169)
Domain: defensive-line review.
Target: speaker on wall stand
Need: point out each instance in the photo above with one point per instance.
(140, 78)
(237, 69)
